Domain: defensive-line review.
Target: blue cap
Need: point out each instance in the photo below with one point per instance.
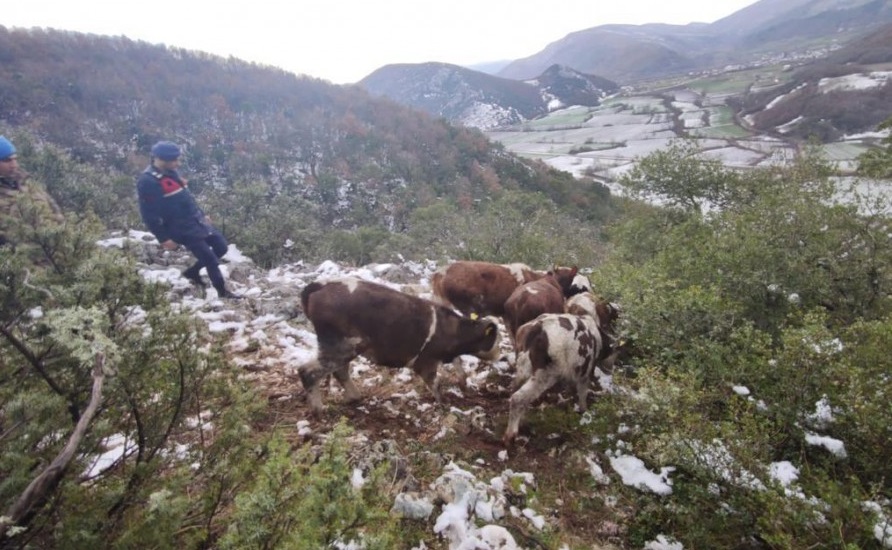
(7, 149)
(166, 150)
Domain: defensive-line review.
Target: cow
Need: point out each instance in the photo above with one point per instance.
(482, 288)
(586, 303)
(551, 348)
(530, 300)
(352, 317)
(578, 285)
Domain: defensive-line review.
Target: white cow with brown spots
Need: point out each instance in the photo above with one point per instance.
(551, 348)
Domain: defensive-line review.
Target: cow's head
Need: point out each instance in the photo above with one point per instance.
(491, 340)
(564, 276)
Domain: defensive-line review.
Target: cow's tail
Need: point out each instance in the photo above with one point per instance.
(532, 352)
(306, 292)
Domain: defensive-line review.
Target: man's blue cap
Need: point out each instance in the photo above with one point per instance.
(166, 150)
(7, 149)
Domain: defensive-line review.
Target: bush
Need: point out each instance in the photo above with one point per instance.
(306, 501)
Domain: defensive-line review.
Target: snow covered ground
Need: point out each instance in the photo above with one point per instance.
(607, 141)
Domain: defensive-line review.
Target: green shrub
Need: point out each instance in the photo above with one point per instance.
(304, 500)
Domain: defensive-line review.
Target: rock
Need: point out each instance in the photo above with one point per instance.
(412, 506)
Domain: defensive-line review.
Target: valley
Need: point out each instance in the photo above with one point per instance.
(604, 142)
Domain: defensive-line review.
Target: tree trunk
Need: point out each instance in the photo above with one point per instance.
(38, 491)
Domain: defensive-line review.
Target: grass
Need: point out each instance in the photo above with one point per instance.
(843, 151)
(574, 116)
(725, 131)
(738, 82)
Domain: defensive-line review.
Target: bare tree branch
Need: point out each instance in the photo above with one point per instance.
(40, 488)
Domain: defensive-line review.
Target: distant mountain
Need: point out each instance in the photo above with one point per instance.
(630, 53)
(490, 67)
(622, 53)
(782, 20)
(872, 48)
(475, 99)
(848, 92)
(803, 34)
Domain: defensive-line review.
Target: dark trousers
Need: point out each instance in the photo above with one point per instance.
(208, 251)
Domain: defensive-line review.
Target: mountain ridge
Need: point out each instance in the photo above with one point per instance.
(764, 26)
(796, 36)
(484, 101)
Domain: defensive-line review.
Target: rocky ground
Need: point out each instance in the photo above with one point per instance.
(547, 491)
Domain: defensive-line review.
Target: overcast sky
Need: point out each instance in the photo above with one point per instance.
(344, 40)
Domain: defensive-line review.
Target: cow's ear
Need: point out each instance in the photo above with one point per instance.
(574, 271)
(491, 327)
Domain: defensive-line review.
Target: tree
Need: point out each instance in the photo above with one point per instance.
(877, 163)
(680, 176)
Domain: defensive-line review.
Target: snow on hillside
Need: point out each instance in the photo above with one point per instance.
(269, 337)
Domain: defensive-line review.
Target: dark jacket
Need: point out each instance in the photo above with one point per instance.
(168, 208)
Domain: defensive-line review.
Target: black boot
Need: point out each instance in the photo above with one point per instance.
(227, 295)
(192, 275)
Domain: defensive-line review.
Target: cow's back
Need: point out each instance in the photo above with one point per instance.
(572, 342)
(388, 323)
(532, 299)
(479, 287)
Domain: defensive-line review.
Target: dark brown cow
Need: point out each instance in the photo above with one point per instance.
(353, 317)
(551, 348)
(531, 300)
(483, 287)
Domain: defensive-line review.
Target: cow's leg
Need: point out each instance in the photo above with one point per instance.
(427, 370)
(582, 387)
(351, 393)
(310, 375)
(333, 356)
(522, 398)
(459, 368)
(523, 369)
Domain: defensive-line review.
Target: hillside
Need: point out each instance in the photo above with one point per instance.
(751, 382)
(748, 407)
(476, 99)
(848, 92)
(313, 157)
(623, 53)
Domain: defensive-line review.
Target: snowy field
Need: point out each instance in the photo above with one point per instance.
(605, 142)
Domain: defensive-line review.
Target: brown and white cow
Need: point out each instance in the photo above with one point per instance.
(482, 288)
(579, 285)
(354, 317)
(586, 303)
(551, 348)
(531, 300)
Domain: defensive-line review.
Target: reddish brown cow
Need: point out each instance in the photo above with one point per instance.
(353, 317)
(483, 287)
(531, 300)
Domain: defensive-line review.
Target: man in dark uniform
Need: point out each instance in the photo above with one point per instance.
(26, 208)
(170, 212)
